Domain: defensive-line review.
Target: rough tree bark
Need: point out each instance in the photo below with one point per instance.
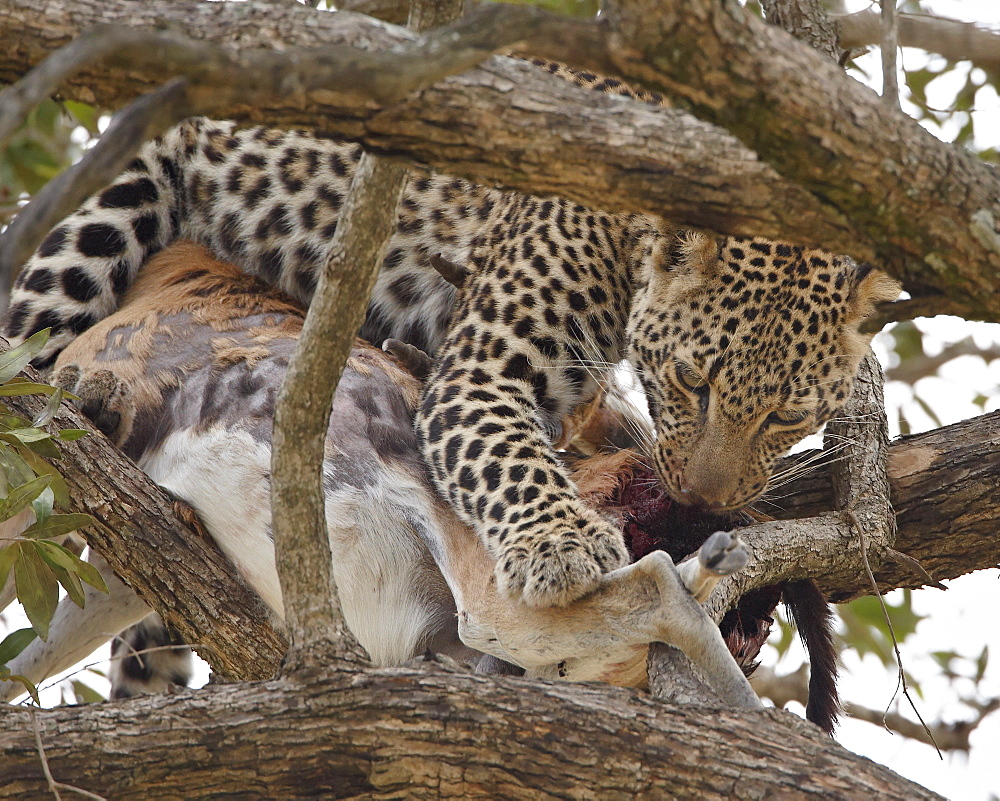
(865, 169)
(426, 732)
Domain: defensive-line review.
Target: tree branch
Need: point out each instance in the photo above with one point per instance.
(783, 689)
(507, 123)
(313, 613)
(425, 732)
(941, 485)
(870, 162)
(956, 41)
(301, 419)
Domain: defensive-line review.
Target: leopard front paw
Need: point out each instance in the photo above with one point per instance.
(556, 568)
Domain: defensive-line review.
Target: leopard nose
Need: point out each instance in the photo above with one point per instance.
(700, 497)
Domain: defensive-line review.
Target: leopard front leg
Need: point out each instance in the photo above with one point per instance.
(521, 353)
(492, 461)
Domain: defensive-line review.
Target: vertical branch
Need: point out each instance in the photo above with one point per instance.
(890, 48)
(806, 20)
(302, 547)
(861, 484)
(860, 481)
(316, 625)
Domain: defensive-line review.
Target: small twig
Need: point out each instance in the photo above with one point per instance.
(914, 564)
(915, 368)
(41, 755)
(784, 688)
(890, 49)
(55, 786)
(900, 675)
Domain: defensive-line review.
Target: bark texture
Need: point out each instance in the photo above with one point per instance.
(873, 183)
(423, 732)
(943, 489)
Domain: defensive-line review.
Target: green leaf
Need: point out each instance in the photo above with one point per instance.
(43, 505)
(19, 497)
(70, 434)
(84, 114)
(14, 466)
(14, 643)
(981, 662)
(16, 359)
(57, 525)
(15, 387)
(46, 448)
(90, 574)
(85, 694)
(927, 409)
(56, 555)
(31, 688)
(45, 416)
(25, 435)
(8, 555)
(10, 421)
(43, 468)
(37, 589)
(71, 583)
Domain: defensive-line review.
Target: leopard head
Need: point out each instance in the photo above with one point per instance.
(744, 347)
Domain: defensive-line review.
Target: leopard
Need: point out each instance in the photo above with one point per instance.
(184, 377)
(743, 345)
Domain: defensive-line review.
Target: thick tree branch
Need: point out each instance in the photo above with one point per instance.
(942, 489)
(868, 161)
(610, 153)
(956, 41)
(427, 733)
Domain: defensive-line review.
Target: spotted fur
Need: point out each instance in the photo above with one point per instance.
(744, 346)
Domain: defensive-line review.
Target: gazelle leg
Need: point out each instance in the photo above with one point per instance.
(722, 554)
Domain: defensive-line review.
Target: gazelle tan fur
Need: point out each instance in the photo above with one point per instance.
(184, 377)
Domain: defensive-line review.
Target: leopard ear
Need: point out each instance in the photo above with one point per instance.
(697, 254)
(692, 259)
(868, 287)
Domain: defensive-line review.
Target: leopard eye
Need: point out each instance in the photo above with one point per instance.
(786, 417)
(688, 378)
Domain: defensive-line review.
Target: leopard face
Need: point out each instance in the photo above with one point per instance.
(745, 347)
